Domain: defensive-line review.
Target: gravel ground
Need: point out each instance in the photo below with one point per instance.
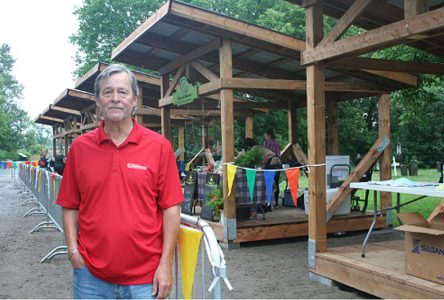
(260, 270)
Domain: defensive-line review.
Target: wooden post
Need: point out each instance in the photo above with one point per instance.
(74, 127)
(165, 113)
(181, 142)
(54, 140)
(413, 8)
(139, 104)
(332, 127)
(227, 123)
(385, 158)
(317, 224)
(249, 127)
(292, 122)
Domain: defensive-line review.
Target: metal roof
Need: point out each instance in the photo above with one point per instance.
(177, 29)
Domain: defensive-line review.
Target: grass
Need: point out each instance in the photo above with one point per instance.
(424, 206)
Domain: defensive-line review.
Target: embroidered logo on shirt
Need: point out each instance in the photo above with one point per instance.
(136, 166)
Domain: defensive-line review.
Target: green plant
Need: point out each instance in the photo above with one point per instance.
(250, 158)
(216, 200)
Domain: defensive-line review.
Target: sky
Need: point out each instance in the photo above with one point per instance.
(38, 33)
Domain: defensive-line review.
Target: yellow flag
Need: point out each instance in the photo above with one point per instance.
(231, 172)
(189, 241)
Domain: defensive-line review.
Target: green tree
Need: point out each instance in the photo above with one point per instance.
(17, 131)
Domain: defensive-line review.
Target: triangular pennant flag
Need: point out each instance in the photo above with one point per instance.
(293, 183)
(231, 172)
(189, 241)
(269, 180)
(251, 179)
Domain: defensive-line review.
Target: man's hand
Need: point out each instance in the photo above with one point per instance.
(77, 260)
(163, 281)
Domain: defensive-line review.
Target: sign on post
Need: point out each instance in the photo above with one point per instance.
(186, 93)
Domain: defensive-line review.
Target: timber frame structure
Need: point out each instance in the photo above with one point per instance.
(417, 23)
(226, 55)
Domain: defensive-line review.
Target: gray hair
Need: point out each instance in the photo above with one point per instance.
(114, 69)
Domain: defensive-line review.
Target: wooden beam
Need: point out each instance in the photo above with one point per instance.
(363, 166)
(65, 110)
(80, 94)
(385, 159)
(173, 83)
(281, 84)
(353, 12)
(249, 127)
(51, 119)
(166, 123)
(364, 63)
(292, 122)
(193, 55)
(299, 154)
(409, 79)
(375, 39)
(317, 225)
(135, 35)
(227, 123)
(233, 25)
(181, 142)
(413, 8)
(207, 73)
(332, 127)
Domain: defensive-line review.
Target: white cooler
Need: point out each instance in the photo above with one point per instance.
(343, 210)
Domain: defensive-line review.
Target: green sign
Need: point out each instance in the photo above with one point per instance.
(186, 93)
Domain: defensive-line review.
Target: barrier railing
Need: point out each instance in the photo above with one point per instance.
(40, 187)
(8, 169)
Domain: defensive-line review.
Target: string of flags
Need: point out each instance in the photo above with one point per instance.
(292, 174)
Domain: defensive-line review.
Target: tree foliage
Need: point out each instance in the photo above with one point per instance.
(17, 131)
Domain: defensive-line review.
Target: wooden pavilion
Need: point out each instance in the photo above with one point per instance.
(226, 55)
(416, 23)
(70, 115)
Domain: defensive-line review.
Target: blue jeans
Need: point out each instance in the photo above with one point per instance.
(86, 286)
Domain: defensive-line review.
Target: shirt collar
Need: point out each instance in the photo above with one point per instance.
(134, 137)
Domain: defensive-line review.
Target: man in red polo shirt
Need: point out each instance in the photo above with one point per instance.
(121, 200)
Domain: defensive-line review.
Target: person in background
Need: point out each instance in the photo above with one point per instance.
(121, 199)
(43, 161)
(271, 143)
(59, 163)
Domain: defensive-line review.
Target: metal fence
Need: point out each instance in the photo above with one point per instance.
(8, 169)
(40, 187)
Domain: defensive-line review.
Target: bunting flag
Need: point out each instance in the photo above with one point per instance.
(189, 242)
(40, 181)
(251, 178)
(8, 165)
(293, 182)
(54, 186)
(269, 180)
(231, 172)
(36, 177)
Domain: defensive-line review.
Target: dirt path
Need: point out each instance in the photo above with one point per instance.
(257, 270)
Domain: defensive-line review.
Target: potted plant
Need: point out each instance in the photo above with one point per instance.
(216, 202)
(250, 159)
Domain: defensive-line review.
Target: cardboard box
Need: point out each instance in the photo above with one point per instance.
(424, 245)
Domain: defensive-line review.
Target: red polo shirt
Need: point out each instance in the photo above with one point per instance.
(121, 193)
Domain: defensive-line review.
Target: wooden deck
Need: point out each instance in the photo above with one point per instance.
(380, 273)
(286, 222)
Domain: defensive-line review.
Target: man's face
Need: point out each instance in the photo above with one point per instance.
(116, 99)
